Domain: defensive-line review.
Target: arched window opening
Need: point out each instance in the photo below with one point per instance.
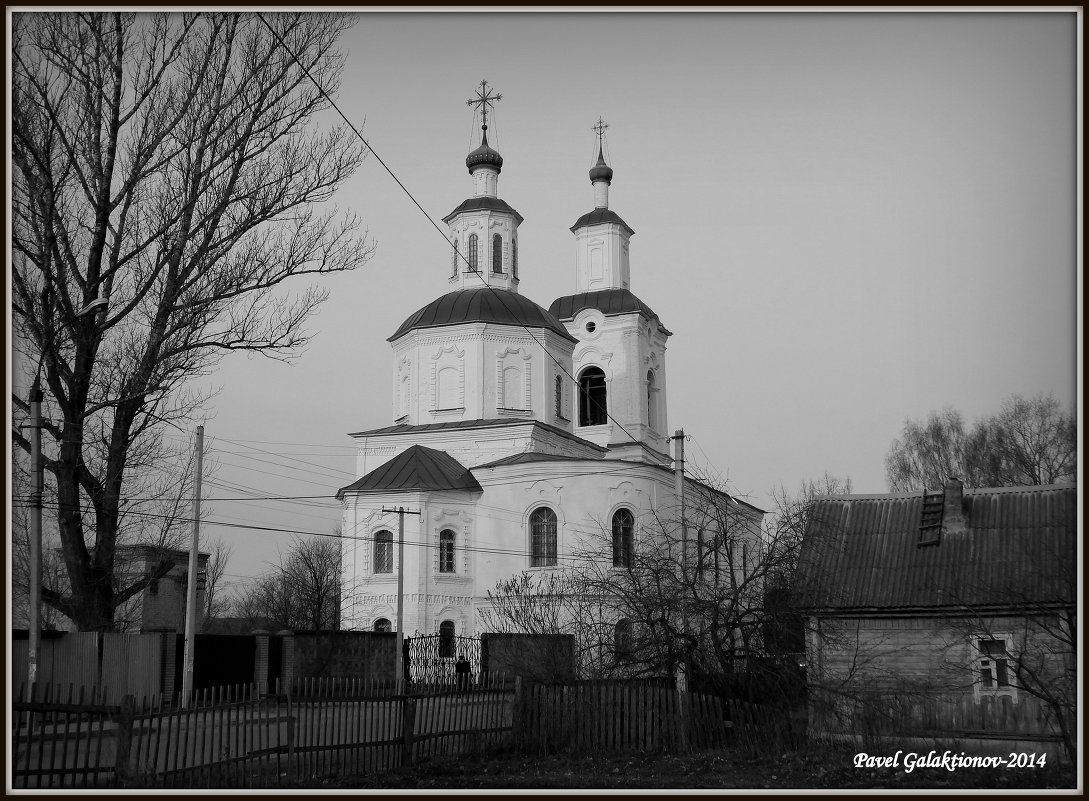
(455, 260)
(514, 257)
(446, 551)
(383, 552)
(559, 396)
(542, 530)
(623, 537)
(592, 401)
(497, 254)
(622, 640)
(652, 411)
(446, 639)
(473, 252)
(383, 626)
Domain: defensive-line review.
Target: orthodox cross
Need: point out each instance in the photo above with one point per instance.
(484, 99)
(600, 129)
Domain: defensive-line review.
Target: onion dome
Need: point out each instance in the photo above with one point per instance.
(484, 156)
(601, 171)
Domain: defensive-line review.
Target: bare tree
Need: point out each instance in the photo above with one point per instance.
(216, 602)
(166, 163)
(1029, 442)
(301, 593)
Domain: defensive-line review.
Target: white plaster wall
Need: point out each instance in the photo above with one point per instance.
(611, 241)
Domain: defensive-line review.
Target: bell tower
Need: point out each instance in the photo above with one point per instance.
(483, 230)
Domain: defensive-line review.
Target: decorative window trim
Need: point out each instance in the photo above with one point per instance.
(596, 414)
(446, 553)
(623, 541)
(457, 362)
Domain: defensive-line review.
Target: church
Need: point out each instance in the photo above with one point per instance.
(519, 433)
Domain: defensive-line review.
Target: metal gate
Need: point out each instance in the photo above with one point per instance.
(432, 658)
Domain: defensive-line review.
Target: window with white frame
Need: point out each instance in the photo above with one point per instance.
(497, 254)
(542, 535)
(446, 551)
(995, 668)
(383, 552)
(474, 252)
(454, 259)
(623, 537)
(592, 397)
(446, 639)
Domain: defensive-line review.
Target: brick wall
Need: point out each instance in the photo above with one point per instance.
(365, 655)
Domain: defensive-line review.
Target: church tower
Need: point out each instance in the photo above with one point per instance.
(482, 351)
(619, 363)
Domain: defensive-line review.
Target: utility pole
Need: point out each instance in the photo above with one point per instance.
(678, 488)
(36, 484)
(401, 512)
(191, 589)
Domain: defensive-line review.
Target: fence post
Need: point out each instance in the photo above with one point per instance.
(124, 739)
(518, 714)
(260, 663)
(408, 723)
(287, 659)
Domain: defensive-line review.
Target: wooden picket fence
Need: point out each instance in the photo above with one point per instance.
(234, 737)
(620, 716)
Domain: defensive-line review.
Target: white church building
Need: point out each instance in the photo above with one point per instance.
(518, 433)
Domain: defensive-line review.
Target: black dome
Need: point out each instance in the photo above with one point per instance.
(484, 155)
(600, 216)
(482, 305)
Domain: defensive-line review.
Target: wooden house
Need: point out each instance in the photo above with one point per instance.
(943, 615)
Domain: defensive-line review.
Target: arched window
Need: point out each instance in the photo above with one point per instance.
(652, 411)
(542, 535)
(559, 396)
(383, 626)
(497, 254)
(446, 551)
(383, 552)
(473, 252)
(514, 257)
(446, 639)
(622, 638)
(592, 401)
(623, 537)
(455, 260)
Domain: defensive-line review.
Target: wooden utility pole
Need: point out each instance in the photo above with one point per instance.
(191, 593)
(401, 512)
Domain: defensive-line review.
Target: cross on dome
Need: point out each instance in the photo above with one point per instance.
(485, 99)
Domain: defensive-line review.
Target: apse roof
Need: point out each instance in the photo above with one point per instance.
(496, 422)
(417, 468)
(598, 216)
(482, 305)
(607, 301)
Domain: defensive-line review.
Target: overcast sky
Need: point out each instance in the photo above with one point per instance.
(845, 219)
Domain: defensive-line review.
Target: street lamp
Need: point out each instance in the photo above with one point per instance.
(36, 487)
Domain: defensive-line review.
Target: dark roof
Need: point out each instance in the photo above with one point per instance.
(404, 428)
(598, 216)
(417, 468)
(607, 301)
(863, 552)
(527, 458)
(482, 202)
(482, 305)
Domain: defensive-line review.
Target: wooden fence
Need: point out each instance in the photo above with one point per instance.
(233, 737)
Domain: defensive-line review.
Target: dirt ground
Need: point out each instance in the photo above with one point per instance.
(827, 769)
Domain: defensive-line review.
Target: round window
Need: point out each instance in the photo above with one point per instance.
(591, 326)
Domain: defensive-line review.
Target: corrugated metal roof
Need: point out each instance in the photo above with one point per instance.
(607, 301)
(863, 552)
(482, 202)
(598, 216)
(417, 468)
(482, 305)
